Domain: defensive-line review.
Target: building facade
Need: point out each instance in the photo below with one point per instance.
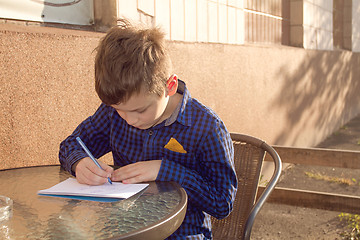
(284, 71)
(310, 24)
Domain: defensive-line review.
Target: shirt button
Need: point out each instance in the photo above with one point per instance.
(151, 133)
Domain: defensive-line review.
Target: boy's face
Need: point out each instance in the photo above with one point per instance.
(143, 110)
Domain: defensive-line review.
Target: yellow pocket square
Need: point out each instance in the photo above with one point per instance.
(175, 146)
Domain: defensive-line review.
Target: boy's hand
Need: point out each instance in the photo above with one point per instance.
(88, 173)
(137, 172)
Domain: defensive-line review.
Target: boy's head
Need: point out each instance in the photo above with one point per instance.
(131, 59)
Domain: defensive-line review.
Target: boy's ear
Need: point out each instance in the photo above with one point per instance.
(172, 85)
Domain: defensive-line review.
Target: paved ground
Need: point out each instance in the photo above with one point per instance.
(277, 221)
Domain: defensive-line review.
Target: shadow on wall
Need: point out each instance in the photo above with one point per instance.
(319, 96)
(284, 95)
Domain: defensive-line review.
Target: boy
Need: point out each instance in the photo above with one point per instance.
(154, 130)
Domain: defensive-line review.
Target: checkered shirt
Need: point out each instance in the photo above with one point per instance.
(204, 168)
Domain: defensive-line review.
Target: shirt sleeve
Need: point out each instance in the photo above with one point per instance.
(212, 188)
(94, 132)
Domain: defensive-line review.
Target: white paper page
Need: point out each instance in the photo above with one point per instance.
(116, 190)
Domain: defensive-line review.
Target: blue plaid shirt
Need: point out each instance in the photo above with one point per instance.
(203, 166)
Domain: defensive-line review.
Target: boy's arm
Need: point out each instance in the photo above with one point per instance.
(212, 188)
(94, 131)
(143, 171)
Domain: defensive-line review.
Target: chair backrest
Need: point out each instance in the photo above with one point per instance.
(249, 154)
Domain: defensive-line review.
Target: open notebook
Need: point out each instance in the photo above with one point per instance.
(107, 192)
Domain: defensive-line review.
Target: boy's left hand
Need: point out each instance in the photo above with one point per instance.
(137, 172)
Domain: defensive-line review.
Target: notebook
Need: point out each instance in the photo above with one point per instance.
(70, 188)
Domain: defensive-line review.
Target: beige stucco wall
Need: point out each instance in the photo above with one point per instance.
(285, 95)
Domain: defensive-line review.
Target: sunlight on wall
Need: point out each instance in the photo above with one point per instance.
(317, 23)
(190, 21)
(356, 25)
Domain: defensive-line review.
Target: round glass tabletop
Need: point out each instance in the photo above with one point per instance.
(154, 213)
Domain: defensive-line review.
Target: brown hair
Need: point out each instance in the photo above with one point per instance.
(130, 58)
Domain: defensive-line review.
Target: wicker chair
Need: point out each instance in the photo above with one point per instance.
(249, 153)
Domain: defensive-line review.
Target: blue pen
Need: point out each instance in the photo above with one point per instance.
(82, 144)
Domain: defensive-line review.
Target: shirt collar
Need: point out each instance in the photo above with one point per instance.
(182, 111)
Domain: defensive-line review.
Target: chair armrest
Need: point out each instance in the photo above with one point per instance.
(266, 193)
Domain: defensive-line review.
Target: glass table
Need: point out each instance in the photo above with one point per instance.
(154, 213)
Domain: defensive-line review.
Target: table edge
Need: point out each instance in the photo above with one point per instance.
(151, 232)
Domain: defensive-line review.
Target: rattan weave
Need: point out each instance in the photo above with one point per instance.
(249, 153)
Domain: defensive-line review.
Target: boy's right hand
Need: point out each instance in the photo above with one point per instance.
(88, 173)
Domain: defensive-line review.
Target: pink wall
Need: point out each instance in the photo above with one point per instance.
(287, 96)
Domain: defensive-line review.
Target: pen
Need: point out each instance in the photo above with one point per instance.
(82, 144)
